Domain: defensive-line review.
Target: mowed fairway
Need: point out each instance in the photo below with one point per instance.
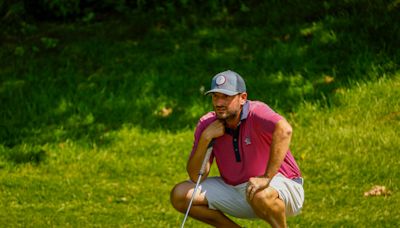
(343, 151)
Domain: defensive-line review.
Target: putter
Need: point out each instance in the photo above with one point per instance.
(201, 172)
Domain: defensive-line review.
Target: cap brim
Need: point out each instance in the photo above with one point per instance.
(224, 91)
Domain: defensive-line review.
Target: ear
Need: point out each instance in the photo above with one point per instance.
(243, 98)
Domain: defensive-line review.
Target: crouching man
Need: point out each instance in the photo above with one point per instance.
(259, 176)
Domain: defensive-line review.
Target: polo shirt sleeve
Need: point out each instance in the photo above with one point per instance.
(201, 125)
(197, 133)
(266, 118)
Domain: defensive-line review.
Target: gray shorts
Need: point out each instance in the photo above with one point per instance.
(232, 199)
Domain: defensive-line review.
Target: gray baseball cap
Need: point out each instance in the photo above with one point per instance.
(227, 82)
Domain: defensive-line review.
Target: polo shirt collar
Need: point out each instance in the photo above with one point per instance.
(243, 116)
(245, 111)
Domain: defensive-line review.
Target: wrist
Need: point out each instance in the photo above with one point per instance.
(268, 176)
(205, 138)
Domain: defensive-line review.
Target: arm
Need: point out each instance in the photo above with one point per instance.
(280, 145)
(214, 130)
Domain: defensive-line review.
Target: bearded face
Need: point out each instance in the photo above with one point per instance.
(226, 107)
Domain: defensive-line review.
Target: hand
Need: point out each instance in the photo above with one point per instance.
(214, 130)
(256, 184)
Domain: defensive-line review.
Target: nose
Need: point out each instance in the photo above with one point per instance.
(219, 101)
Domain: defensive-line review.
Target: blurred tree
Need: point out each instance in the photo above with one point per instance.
(11, 16)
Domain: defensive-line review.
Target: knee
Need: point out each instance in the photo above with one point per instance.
(262, 196)
(267, 206)
(178, 197)
(264, 199)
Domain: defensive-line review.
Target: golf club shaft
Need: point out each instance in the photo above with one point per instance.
(201, 172)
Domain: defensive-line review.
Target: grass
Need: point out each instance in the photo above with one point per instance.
(97, 119)
(343, 151)
(346, 150)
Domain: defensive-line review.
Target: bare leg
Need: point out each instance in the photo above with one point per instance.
(268, 206)
(180, 197)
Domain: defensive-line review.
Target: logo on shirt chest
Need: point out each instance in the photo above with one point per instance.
(247, 140)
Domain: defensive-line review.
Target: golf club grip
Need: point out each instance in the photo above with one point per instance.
(206, 157)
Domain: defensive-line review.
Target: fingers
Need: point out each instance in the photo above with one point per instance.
(251, 191)
(255, 185)
(218, 128)
(220, 124)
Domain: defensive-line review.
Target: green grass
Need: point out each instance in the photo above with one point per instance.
(346, 150)
(342, 151)
(85, 138)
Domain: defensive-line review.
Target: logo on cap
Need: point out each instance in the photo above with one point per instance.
(220, 80)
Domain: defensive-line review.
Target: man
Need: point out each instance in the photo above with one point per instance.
(259, 176)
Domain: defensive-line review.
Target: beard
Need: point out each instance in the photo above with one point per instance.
(226, 114)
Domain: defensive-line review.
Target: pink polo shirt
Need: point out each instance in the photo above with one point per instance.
(252, 142)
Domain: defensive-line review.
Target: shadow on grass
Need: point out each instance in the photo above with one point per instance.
(80, 81)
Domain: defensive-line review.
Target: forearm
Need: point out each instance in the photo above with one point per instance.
(196, 160)
(280, 145)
